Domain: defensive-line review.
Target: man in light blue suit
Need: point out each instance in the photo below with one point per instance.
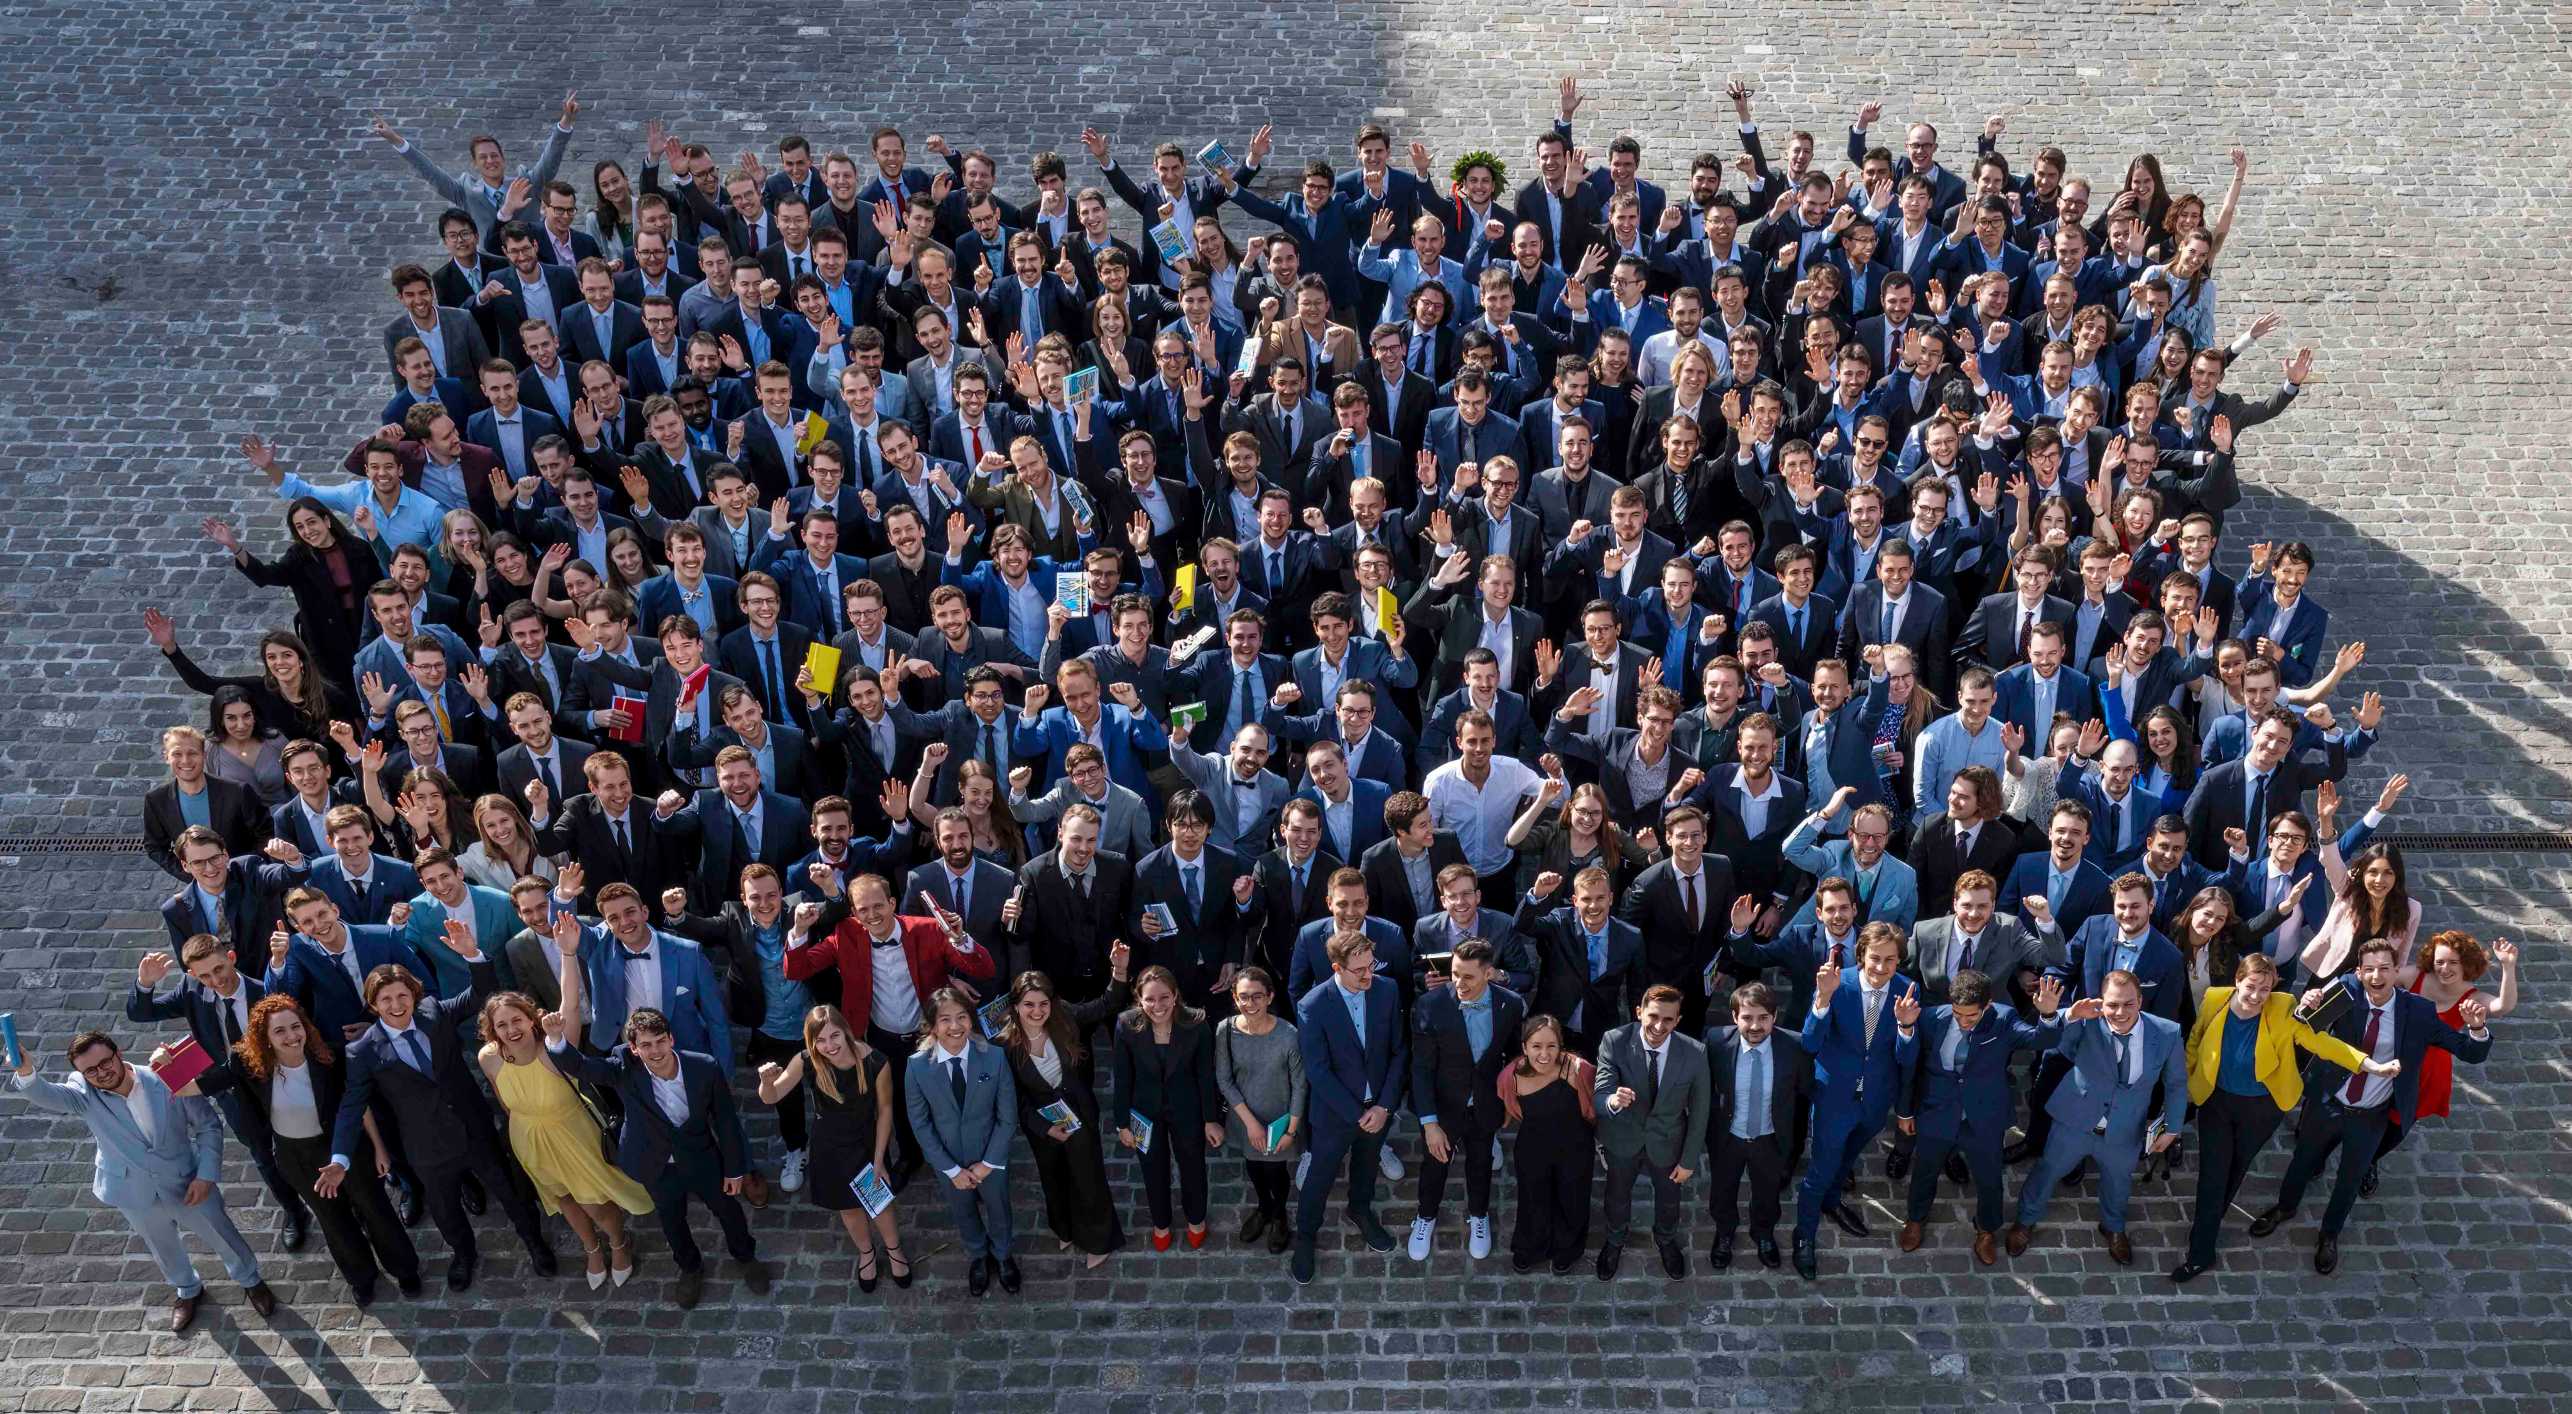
(964, 1108)
(2102, 1106)
(158, 1159)
(1887, 889)
(481, 190)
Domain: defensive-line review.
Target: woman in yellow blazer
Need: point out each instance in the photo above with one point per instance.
(2243, 1076)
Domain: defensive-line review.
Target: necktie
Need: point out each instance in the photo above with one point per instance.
(545, 770)
(973, 433)
(1190, 880)
(991, 750)
(1655, 1065)
(1300, 872)
(1242, 682)
(2125, 1046)
(1874, 1009)
(962, 888)
(1688, 901)
(2026, 625)
(1885, 633)
(956, 1080)
(1795, 627)
(624, 843)
(1276, 573)
(1955, 1048)
(2257, 825)
(1679, 496)
(230, 1007)
(1467, 440)
(446, 729)
(768, 675)
(750, 831)
(1751, 1115)
(2358, 1081)
(419, 1053)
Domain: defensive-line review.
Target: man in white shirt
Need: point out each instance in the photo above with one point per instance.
(1476, 796)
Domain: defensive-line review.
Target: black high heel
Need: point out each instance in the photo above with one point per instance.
(901, 1265)
(866, 1275)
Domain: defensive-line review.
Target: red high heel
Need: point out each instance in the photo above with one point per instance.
(1160, 1242)
(1196, 1237)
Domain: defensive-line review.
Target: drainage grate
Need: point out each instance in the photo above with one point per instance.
(71, 844)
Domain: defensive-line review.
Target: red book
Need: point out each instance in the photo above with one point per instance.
(186, 1061)
(634, 708)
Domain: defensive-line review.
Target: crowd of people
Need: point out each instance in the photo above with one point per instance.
(1692, 679)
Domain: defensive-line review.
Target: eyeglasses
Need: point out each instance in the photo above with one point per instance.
(1872, 444)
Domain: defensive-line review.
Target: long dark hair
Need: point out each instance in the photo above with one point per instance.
(2226, 947)
(1060, 1031)
(2396, 915)
(224, 697)
(339, 537)
(313, 706)
(1139, 1021)
(611, 221)
(2183, 753)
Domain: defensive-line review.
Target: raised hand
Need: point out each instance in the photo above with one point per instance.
(1906, 1009)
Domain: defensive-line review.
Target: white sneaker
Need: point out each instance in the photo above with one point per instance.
(790, 1174)
(1303, 1168)
(1478, 1230)
(1422, 1229)
(1389, 1164)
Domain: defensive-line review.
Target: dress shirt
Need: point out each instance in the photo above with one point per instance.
(670, 1092)
(642, 982)
(1481, 815)
(1754, 805)
(294, 1112)
(896, 1001)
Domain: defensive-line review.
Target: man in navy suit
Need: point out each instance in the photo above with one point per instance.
(1862, 1034)
(2034, 691)
(237, 900)
(2060, 876)
(326, 963)
(2266, 782)
(2350, 1111)
(628, 966)
(1956, 1097)
(1352, 807)
(815, 574)
(738, 823)
(1592, 962)
(1353, 1052)
(1462, 1036)
(1763, 1081)
(1999, 631)
(216, 1004)
(2117, 1059)
(601, 327)
(681, 1139)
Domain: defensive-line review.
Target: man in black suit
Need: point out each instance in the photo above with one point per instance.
(1457, 623)
(1069, 908)
(532, 664)
(232, 812)
(877, 754)
(1292, 885)
(961, 882)
(217, 1007)
(961, 731)
(1750, 1059)
(1680, 906)
(1398, 401)
(1402, 868)
(1967, 836)
(415, 1052)
(767, 650)
(783, 754)
(2269, 780)
(1462, 1034)
(946, 662)
(1996, 634)
(682, 1136)
(604, 832)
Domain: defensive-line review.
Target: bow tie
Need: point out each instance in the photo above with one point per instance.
(892, 942)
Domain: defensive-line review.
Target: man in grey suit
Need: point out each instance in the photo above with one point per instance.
(481, 189)
(1973, 937)
(1653, 1096)
(1246, 795)
(964, 1108)
(158, 1159)
(1128, 827)
(450, 333)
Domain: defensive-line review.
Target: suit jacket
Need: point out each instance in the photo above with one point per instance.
(1973, 1097)
(987, 890)
(517, 766)
(691, 995)
(2092, 1090)
(1790, 1087)
(2221, 798)
(388, 882)
(1311, 963)
(1676, 951)
(1935, 860)
(2003, 949)
(1852, 1075)
(1126, 828)
(464, 348)
(254, 902)
(441, 1115)
(1452, 619)
(511, 674)
(723, 851)
(202, 1009)
(1388, 889)
(1065, 934)
(231, 810)
(1893, 896)
(1213, 775)
(580, 333)
(1366, 813)
(1282, 918)
(1404, 419)
(737, 653)
(1346, 1073)
(1450, 1086)
(1209, 937)
(2301, 655)
(1666, 1124)
(1990, 635)
(128, 1170)
(1758, 860)
(1566, 985)
(647, 1142)
(581, 828)
(2158, 965)
(1172, 1087)
(2416, 1028)
(2074, 694)
(2281, 1032)
(319, 981)
(956, 1135)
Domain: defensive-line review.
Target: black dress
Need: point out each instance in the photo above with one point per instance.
(842, 1140)
(1078, 1207)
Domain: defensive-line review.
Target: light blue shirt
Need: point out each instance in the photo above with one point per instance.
(414, 520)
(1945, 749)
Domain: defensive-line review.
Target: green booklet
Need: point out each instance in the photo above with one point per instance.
(1277, 1131)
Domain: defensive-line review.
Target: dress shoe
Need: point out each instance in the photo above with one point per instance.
(2366, 1184)
(183, 1311)
(262, 1300)
(1846, 1218)
(460, 1273)
(362, 1296)
(1769, 1256)
(1955, 1168)
(1281, 1234)
(1720, 1256)
(1897, 1164)
(2120, 1247)
(541, 1257)
(2326, 1256)
(1253, 1227)
(1909, 1238)
(756, 1275)
(1808, 1261)
(409, 1287)
(471, 1194)
(692, 1288)
(2015, 1240)
(2271, 1221)
(295, 1228)
(2189, 1271)
(1563, 1265)
(754, 1191)
(978, 1276)
(1010, 1277)
(1674, 1260)
(1610, 1254)
(1986, 1248)
(1378, 1238)
(1301, 1268)
(1521, 1265)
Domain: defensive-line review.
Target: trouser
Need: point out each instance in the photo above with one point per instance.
(442, 1192)
(358, 1225)
(1185, 1144)
(1469, 1136)
(790, 1110)
(696, 1171)
(897, 1049)
(982, 1216)
(2067, 1150)
(251, 1128)
(2040, 1122)
(1334, 1142)
(2394, 1134)
(2231, 1130)
(1982, 1160)
(1619, 1207)
(1840, 1139)
(2329, 1125)
(1269, 1183)
(160, 1222)
(1727, 1159)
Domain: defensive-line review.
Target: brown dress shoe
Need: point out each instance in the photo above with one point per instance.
(1986, 1248)
(2120, 1247)
(1909, 1238)
(262, 1300)
(183, 1312)
(2016, 1238)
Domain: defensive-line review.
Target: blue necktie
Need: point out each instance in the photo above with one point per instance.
(775, 684)
(419, 1053)
(1195, 889)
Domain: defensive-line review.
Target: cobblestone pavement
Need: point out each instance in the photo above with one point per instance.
(196, 240)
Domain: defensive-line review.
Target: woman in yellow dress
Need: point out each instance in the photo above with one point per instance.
(557, 1139)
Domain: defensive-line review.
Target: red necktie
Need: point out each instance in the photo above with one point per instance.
(2358, 1080)
(975, 432)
